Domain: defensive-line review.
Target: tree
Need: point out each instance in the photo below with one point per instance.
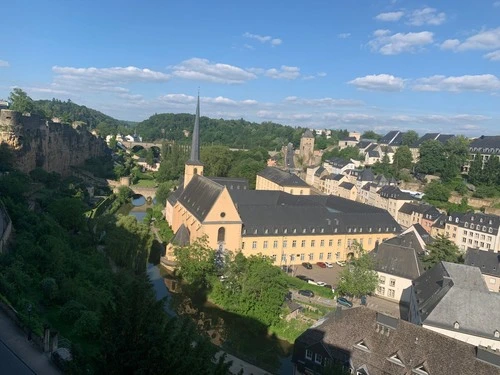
(163, 191)
(150, 157)
(402, 158)
(124, 194)
(217, 160)
(196, 262)
(436, 191)
(20, 101)
(409, 138)
(6, 158)
(68, 212)
(358, 278)
(432, 158)
(442, 249)
(492, 171)
(476, 170)
(370, 134)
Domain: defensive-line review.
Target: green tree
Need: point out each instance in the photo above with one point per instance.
(432, 157)
(409, 138)
(68, 212)
(124, 194)
(442, 249)
(492, 171)
(150, 157)
(476, 170)
(402, 158)
(20, 101)
(217, 160)
(436, 191)
(370, 134)
(163, 191)
(358, 278)
(196, 262)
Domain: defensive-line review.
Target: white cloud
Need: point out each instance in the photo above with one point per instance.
(483, 40)
(4, 64)
(390, 16)
(378, 82)
(204, 70)
(46, 90)
(264, 39)
(357, 118)
(183, 99)
(493, 56)
(110, 75)
(450, 44)
(272, 115)
(343, 35)
(426, 16)
(387, 44)
(482, 82)
(285, 72)
(323, 102)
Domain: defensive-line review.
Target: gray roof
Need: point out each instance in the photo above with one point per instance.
(320, 170)
(374, 154)
(366, 175)
(397, 260)
(336, 177)
(394, 192)
(487, 261)
(364, 143)
(476, 221)
(486, 145)
(338, 162)
(443, 138)
(181, 237)
(384, 337)
(449, 293)
(231, 183)
(308, 134)
(195, 143)
(352, 139)
(408, 240)
(428, 211)
(389, 137)
(346, 185)
(282, 178)
(200, 195)
(424, 235)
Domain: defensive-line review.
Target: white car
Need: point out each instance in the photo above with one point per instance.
(320, 283)
(341, 263)
(328, 265)
(311, 281)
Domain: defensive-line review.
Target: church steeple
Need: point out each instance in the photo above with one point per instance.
(194, 166)
(195, 145)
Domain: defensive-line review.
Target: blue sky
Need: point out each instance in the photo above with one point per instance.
(362, 65)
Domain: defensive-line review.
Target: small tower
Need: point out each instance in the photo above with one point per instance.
(194, 166)
(307, 148)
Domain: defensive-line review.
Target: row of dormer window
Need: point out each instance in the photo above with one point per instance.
(314, 231)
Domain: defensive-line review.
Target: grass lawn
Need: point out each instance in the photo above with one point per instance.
(289, 331)
(146, 183)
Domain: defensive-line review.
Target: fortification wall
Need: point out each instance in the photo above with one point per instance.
(52, 146)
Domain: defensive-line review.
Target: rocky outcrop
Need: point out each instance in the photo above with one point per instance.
(55, 147)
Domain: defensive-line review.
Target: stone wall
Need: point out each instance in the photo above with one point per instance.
(54, 147)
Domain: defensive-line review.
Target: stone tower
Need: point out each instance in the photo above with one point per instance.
(193, 165)
(307, 148)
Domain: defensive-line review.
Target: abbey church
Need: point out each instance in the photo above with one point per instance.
(284, 222)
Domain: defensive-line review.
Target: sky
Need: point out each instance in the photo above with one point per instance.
(357, 64)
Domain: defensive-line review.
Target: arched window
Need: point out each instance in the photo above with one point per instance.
(195, 171)
(221, 234)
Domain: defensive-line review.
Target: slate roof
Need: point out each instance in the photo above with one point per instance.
(200, 195)
(373, 154)
(486, 145)
(372, 147)
(308, 134)
(338, 162)
(426, 237)
(338, 204)
(347, 185)
(476, 221)
(393, 192)
(231, 183)
(389, 137)
(336, 177)
(195, 143)
(364, 143)
(282, 178)
(449, 293)
(487, 261)
(384, 337)
(320, 170)
(181, 237)
(432, 136)
(399, 259)
(428, 211)
(406, 240)
(366, 175)
(352, 139)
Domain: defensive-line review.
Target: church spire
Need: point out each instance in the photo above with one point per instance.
(195, 145)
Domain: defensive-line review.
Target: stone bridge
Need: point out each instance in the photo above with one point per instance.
(146, 192)
(146, 145)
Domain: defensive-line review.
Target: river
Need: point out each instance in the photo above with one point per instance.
(231, 332)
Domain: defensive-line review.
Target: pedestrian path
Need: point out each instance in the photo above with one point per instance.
(17, 342)
(240, 365)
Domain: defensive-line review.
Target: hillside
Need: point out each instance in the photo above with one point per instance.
(233, 133)
(69, 112)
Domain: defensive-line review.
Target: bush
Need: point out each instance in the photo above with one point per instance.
(485, 192)
(49, 288)
(71, 311)
(87, 325)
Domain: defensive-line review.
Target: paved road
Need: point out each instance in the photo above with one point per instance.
(328, 275)
(11, 364)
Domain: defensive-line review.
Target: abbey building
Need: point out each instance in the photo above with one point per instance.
(290, 226)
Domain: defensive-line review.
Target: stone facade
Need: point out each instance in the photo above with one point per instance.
(55, 147)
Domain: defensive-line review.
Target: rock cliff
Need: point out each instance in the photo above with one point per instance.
(54, 147)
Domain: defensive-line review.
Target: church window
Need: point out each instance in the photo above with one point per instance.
(222, 214)
(221, 234)
(195, 171)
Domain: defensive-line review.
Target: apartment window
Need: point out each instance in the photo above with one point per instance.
(309, 354)
(481, 244)
(313, 242)
(470, 241)
(392, 282)
(329, 256)
(303, 243)
(265, 244)
(390, 293)
(285, 243)
(465, 233)
(488, 246)
(361, 242)
(254, 244)
(292, 258)
(381, 290)
(283, 258)
(275, 244)
(475, 243)
(294, 243)
(311, 256)
(381, 279)
(337, 255)
(339, 243)
(302, 256)
(489, 238)
(320, 256)
(318, 358)
(464, 239)
(330, 243)
(322, 243)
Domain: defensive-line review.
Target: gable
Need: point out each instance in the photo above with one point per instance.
(223, 210)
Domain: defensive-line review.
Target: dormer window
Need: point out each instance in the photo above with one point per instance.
(466, 225)
(456, 325)
(420, 370)
(361, 345)
(490, 230)
(266, 231)
(295, 230)
(456, 220)
(395, 359)
(276, 231)
(304, 230)
(285, 231)
(255, 231)
(484, 228)
(496, 334)
(313, 230)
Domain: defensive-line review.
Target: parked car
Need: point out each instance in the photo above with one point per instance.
(341, 263)
(329, 265)
(320, 283)
(321, 264)
(344, 302)
(302, 277)
(306, 293)
(307, 265)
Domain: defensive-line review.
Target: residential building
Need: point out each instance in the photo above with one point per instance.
(314, 174)
(476, 230)
(347, 142)
(364, 177)
(356, 135)
(366, 342)
(439, 226)
(452, 299)
(290, 229)
(413, 213)
(348, 190)
(307, 148)
(486, 146)
(338, 165)
(276, 179)
(394, 139)
(397, 263)
(391, 198)
(488, 263)
(329, 184)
